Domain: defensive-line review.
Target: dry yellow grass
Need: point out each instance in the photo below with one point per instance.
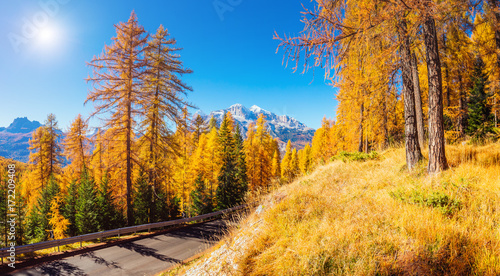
(374, 218)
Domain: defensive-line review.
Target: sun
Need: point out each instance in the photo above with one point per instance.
(48, 37)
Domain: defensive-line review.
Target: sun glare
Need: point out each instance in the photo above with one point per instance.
(46, 35)
(48, 38)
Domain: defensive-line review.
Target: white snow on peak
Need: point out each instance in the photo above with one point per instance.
(255, 109)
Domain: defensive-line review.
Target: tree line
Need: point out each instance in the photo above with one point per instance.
(150, 160)
(424, 73)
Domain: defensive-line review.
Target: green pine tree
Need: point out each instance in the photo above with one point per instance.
(142, 201)
(86, 205)
(22, 217)
(161, 206)
(480, 117)
(33, 231)
(109, 217)
(241, 168)
(69, 208)
(227, 180)
(174, 207)
(38, 220)
(202, 201)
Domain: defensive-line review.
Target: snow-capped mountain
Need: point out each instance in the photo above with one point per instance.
(282, 127)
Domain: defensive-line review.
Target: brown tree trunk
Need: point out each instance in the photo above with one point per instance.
(413, 153)
(418, 101)
(386, 120)
(130, 214)
(437, 157)
(496, 25)
(496, 13)
(463, 107)
(360, 144)
(128, 142)
(446, 75)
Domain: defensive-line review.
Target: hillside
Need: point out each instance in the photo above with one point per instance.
(372, 218)
(279, 126)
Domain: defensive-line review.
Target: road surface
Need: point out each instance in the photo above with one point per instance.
(147, 256)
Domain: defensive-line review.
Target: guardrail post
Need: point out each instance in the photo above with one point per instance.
(80, 243)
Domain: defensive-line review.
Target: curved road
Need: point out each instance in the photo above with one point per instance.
(147, 256)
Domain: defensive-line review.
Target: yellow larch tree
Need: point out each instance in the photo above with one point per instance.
(162, 101)
(118, 76)
(99, 162)
(259, 153)
(38, 175)
(305, 159)
(183, 177)
(294, 164)
(57, 221)
(76, 149)
(45, 158)
(213, 157)
(276, 165)
(287, 173)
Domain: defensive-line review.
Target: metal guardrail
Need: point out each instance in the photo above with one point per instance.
(28, 248)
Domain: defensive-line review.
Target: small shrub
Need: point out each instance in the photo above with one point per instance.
(441, 201)
(356, 156)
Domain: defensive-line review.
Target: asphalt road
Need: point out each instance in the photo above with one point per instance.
(147, 256)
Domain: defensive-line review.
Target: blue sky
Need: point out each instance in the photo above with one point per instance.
(44, 47)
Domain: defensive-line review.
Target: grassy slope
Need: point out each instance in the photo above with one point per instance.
(374, 218)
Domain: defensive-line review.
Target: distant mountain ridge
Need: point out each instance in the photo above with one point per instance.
(282, 127)
(21, 125)
(14, 139)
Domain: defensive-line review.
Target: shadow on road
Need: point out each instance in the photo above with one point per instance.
(206, 232)
(60, 268)
(100, 260)
(147, 251)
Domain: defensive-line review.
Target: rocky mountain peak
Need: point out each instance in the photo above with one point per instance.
(21, 125)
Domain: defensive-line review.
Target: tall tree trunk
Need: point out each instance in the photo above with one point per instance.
(51, 155)
(130, 220)
(418, 101)
(437, 157)
(128, 146)
(413, 153)
(463, 107)
(446, 75)
(42, 170)
(496, 22)
(386, 120)
(152, 166)
(360, 144)
(496, 26)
